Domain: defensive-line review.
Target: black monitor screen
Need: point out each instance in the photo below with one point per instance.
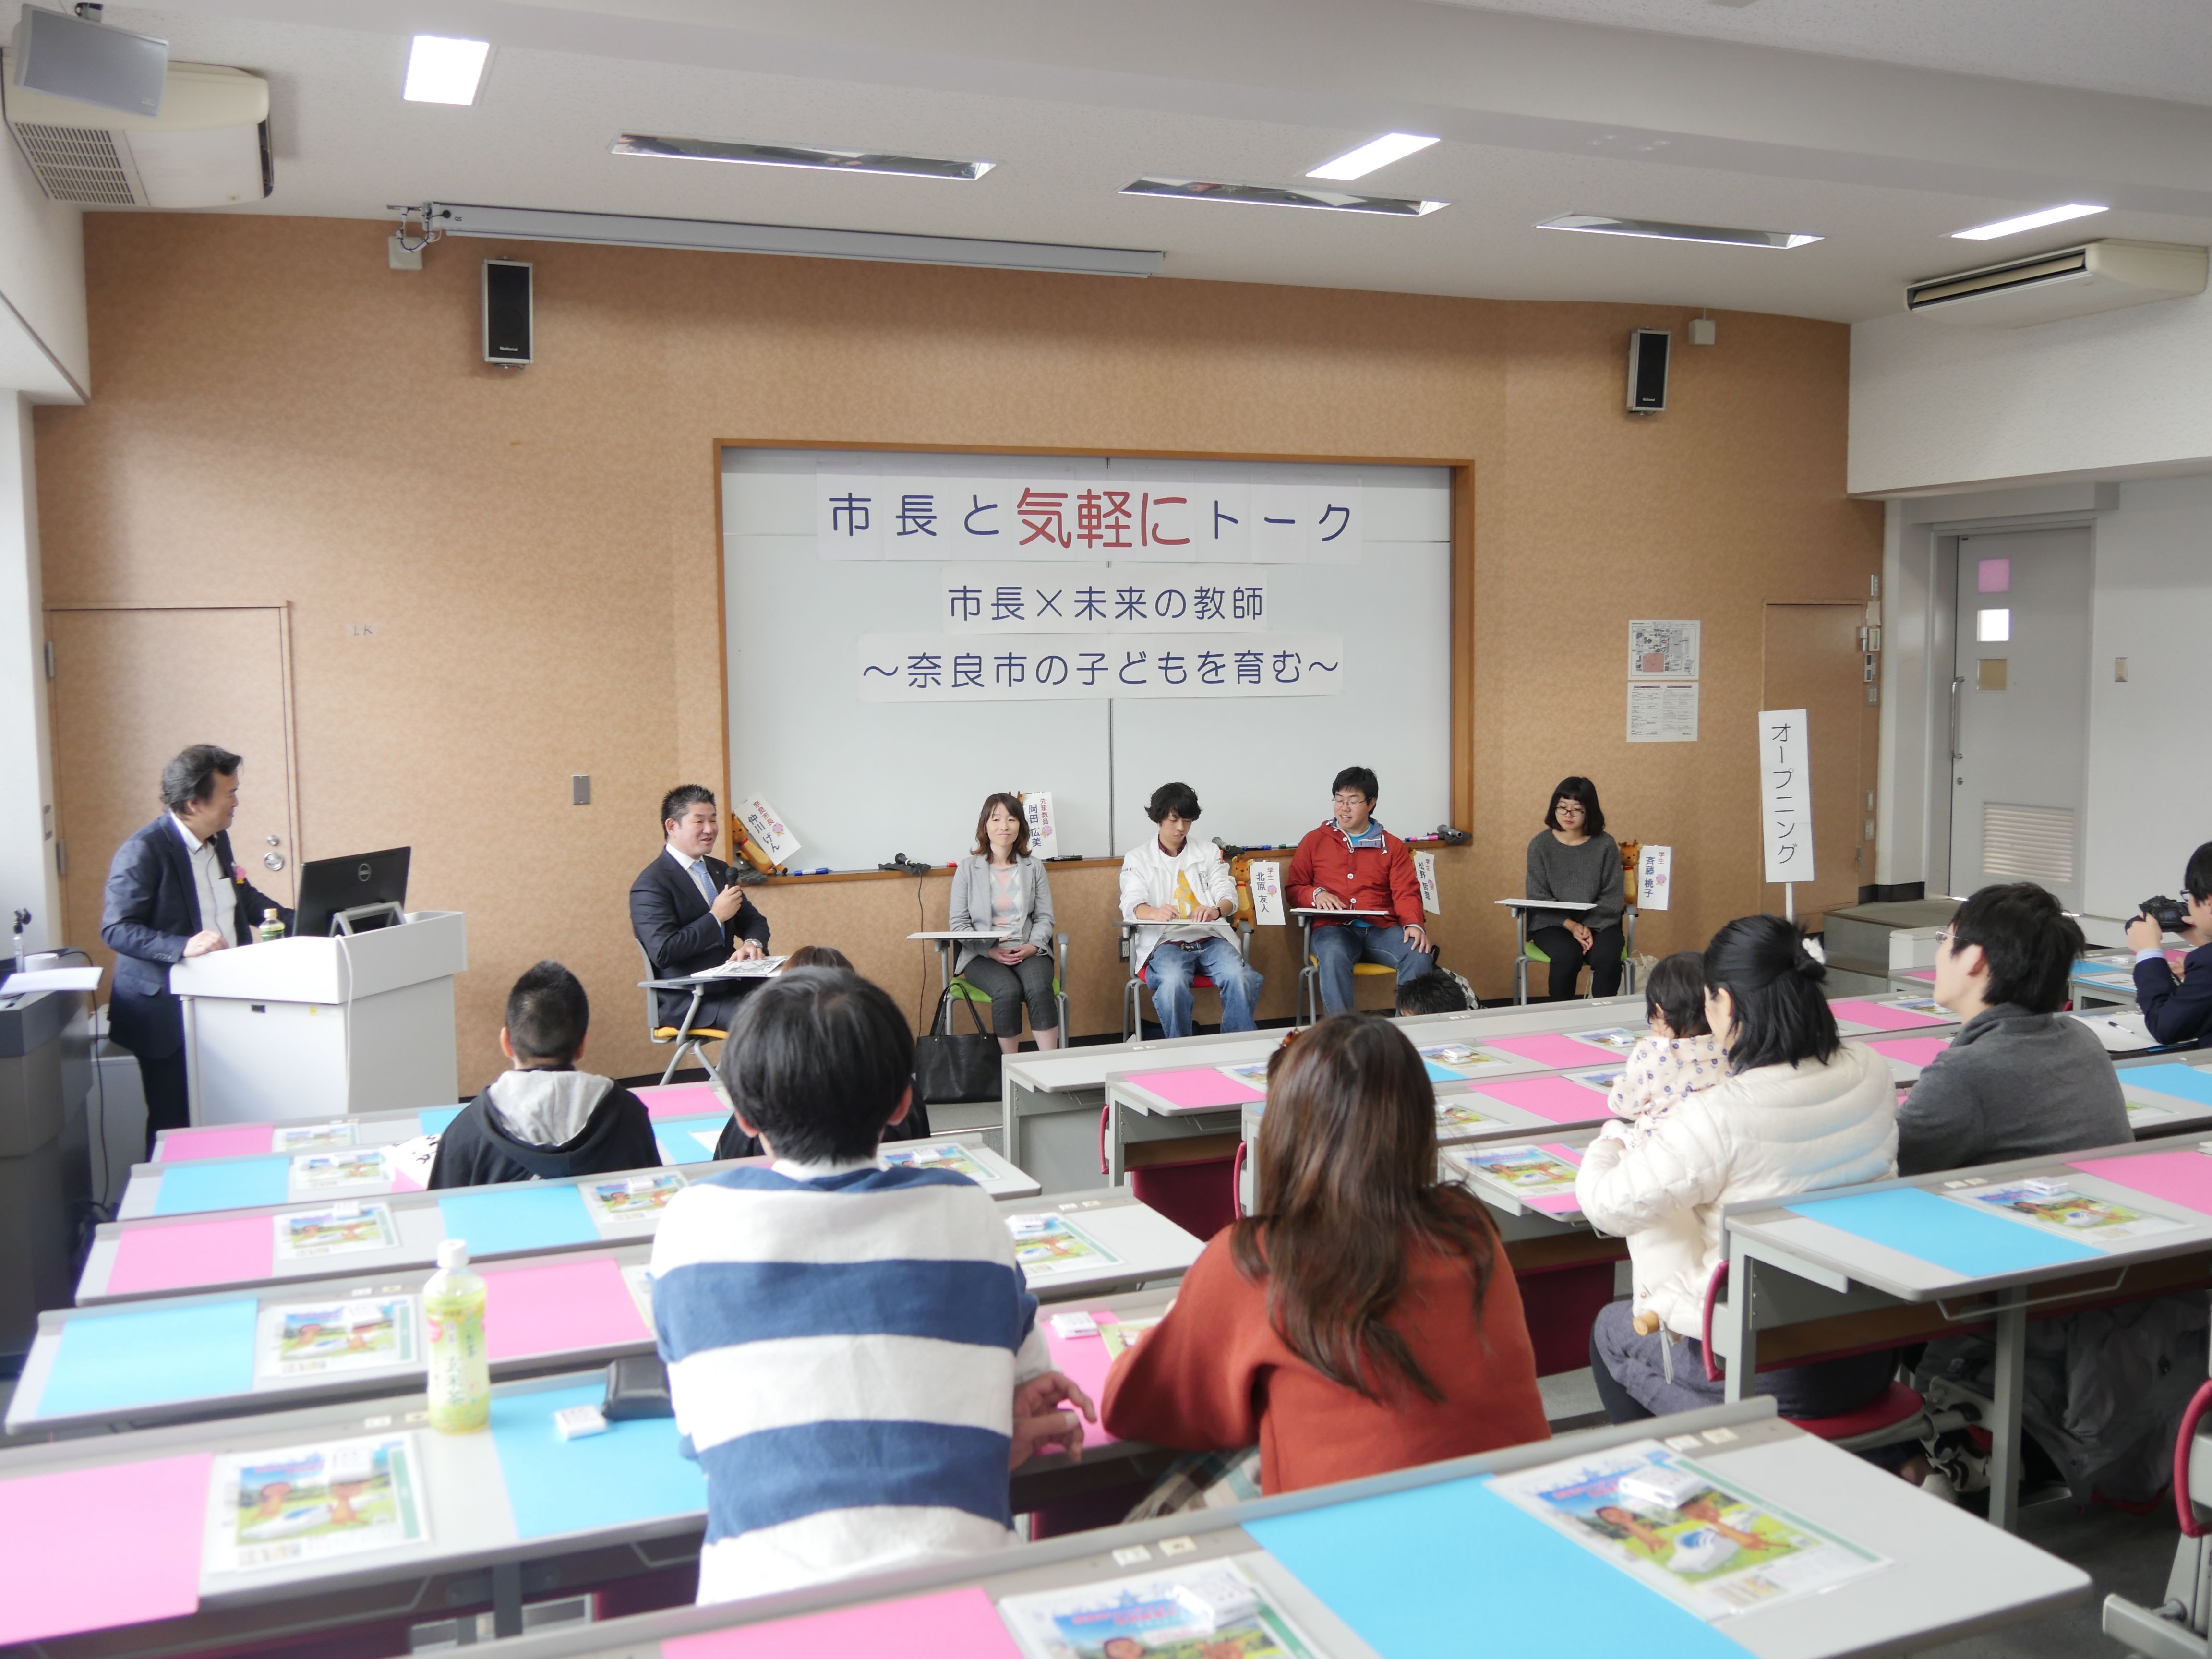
(330, 885)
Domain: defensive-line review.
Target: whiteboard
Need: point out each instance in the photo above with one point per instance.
(860, 783)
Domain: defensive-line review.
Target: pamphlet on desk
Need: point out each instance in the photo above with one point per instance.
(319, 1339)
(1046, 1247)
(340, 1230)
(1209, 1609)
(271, 1509)
(753, 968)
(631, 1202)
(1527, 1172)
(2052, 1204)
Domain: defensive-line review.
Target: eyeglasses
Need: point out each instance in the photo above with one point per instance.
(1352, 800)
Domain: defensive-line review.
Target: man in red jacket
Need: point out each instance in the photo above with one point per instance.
(1352, 863)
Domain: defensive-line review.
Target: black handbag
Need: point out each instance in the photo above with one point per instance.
(949, 1065)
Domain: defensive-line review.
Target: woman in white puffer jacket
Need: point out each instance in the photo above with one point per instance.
(1800, 1110)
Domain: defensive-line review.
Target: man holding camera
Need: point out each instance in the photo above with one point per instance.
(2177, 1008)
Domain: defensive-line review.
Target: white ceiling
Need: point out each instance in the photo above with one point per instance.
(1773, 115)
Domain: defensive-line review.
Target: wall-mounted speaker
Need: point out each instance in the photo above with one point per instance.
(1647, 371)
(507, 311)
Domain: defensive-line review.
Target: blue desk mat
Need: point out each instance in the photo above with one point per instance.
(1444, 1073)
(111, 1362)
(226, 1184)
(631, 1472)
(1944, 1231)
(434, 1120)
(2184, 1082)
(679, 1141)
(1397, 1569)
(523, 1219)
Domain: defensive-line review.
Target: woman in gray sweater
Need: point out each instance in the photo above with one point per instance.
(1000, 889)
(1573, 859)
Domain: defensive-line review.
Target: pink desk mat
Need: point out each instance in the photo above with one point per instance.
(1558, 1203)
(1197, 1087)
(567, 1304)
(1928, 974)
(681, 1100)
(1882, 1015)
(960, 1624)
(2182, 1178)
(1913, 1051)
(1084, 1362)
(220, 1252)
(1550, 1048)
(1559, 1099)
(220, 1140)
(146, 1517)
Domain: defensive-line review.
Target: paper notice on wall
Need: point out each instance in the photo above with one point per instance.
(1663, 711)
(767, 828)
(1655, 878)
(1663, 650)
(1044, 836)
(1268, 894)
(1785, 794)
(1424, 872)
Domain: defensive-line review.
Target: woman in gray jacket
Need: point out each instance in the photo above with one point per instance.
(999, 888)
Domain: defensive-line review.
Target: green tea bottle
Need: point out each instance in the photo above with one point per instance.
(460, 1371)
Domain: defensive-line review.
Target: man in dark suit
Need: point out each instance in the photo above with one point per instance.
(687, 914)
(173, 891)
(2177, 1008)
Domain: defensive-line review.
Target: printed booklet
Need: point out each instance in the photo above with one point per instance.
(1685, 1532)
(1120, 1335)
(411, 1161)
(273, 1509)
(340, 1229)
(1618, 1038)
(639, 1280)
(359, 1166)
(2055, 1205)
(934, 1155)
(1528, 1172)
(1460, 1112)
(1460, 1056)
(1927, 1005)
(1048, 1248)
(1209, 1610)
(2146, 1111)
(632, 1202)
(308, 1338)
(1253, 1073)
(310, 1137)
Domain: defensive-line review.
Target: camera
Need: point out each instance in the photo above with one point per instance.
(2170, 914)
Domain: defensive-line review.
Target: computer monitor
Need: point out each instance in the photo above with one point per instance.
(328, 886)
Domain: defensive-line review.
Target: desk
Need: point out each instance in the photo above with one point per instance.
(177, 1253)
(1402, 1583)
(2166, 1094)
(1914, 1258)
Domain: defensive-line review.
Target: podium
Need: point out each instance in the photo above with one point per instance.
(317, 1028)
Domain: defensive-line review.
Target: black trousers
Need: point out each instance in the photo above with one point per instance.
(168, 1100)
(1567, 959)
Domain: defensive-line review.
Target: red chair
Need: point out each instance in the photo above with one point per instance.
(1188, 1192)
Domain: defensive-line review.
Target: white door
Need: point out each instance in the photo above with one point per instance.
(2020, 711)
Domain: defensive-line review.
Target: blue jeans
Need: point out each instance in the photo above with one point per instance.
(1335, 949)
(1169, 971)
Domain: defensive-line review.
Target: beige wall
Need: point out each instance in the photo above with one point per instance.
(280, 418)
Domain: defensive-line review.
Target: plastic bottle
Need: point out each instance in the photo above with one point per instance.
(460, 1371)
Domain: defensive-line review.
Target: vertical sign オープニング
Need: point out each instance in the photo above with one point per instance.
(1785, 799)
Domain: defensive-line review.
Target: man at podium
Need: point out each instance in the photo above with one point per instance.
(174, 892)
(690, 915)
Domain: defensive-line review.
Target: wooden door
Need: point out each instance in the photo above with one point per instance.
(131, 688)
(1814, 661)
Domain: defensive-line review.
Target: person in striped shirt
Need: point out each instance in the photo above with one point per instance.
(852, 1356)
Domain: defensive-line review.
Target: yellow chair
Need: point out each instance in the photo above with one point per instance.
(688, 1038)
(1309, 976)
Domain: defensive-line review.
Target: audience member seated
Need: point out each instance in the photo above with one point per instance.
(2020, 1079)
(545, 1120)
(1800, 1110)
(1436, 991)
(999, 888)
(818, 956)
(1363, 1318)
(1680, 1058)
(2177, 1008)
(852, 1359)
(1571, 859)
(689, 916)
(1186, 890)
(1351, 862)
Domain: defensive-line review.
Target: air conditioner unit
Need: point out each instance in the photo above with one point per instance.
(2042, 288)
(208, 148)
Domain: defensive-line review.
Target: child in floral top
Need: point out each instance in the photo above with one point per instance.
(1679, 1057)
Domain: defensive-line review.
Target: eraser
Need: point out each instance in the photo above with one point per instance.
(1075, 1324)
(575, 1422)
(1661, 1488)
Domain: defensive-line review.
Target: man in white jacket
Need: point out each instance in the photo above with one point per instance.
(1188, 892)
(1802, 1110)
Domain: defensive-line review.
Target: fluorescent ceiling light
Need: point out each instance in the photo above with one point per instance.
(444, 71)
(1602, 225)
(2056, 215)
(1198, 190)
(797, 155)
(1374, 153)
(720, 236)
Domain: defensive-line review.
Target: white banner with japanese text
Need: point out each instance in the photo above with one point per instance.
(1043, 667)
(1785, 794)
(1098, 598)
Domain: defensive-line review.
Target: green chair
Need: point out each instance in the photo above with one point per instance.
(958, 988)
(1536, 953)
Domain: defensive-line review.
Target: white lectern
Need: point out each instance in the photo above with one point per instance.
(313, 1028)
